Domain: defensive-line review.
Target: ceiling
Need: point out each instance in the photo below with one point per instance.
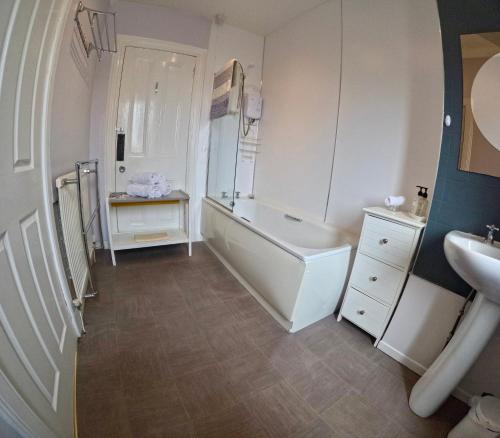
(258, 16)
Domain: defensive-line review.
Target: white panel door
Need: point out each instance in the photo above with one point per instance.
(37, 343)
(154, 112)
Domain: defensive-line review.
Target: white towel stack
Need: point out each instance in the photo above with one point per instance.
(149, 185)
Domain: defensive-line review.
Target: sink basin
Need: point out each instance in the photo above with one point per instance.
(477, 262)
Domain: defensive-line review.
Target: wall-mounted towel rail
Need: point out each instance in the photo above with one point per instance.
(77, 220)
(102, 27)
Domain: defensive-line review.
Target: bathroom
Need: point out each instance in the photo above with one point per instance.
(271, 292)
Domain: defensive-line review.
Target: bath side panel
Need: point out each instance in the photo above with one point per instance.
(322, 286)
(275, 274)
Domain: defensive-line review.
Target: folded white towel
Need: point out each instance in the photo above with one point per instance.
(165, 187)
(394, 201)
(148, 178)
(150, 191)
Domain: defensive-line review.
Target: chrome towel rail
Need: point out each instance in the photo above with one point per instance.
(84, 168)
(102, 26)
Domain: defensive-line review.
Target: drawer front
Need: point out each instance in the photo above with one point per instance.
(376, 279)
(387, 241)
(364, 311)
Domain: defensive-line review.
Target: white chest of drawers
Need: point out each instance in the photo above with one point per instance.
(385, 254)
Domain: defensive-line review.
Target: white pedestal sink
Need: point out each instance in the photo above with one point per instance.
(478, 263)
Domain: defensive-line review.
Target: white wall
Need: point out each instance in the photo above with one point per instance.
(390, 113)
(72, 99)
(301, 91)
(161, 23)
(391, 105)
(419, 328)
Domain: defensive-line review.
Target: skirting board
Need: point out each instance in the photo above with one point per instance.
(417, 368)
(282, 321)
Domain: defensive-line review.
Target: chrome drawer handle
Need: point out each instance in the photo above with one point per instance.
(373, 278)
(384, 241)
(360, 312)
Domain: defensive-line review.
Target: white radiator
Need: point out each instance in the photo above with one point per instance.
(72, 231)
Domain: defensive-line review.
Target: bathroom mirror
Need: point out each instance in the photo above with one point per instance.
(480, 142)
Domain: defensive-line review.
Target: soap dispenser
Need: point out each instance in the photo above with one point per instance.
(424, 203)
(416, 204)
(420, 205)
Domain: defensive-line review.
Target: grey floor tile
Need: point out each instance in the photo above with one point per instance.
(175, 347)
(319, 386)
(289, 357)
(281, 411)
(354, 415)
(249, 373)
(205, 393)
(354, 367)
(235, 422)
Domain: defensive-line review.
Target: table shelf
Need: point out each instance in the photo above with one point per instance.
(127, 240)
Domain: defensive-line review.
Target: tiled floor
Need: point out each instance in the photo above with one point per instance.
(175, 347)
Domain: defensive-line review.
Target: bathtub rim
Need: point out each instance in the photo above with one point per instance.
(285, 246)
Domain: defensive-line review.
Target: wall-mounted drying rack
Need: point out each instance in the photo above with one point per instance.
(102, 26)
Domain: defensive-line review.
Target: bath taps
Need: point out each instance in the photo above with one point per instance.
(490, 238)
(237, 195)
(224, 195)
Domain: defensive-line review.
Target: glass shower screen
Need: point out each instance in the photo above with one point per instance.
(224, 140)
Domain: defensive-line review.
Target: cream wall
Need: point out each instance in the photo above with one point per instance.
(71, 104)
(161, 23)
(391, 105)
(301, 90)
(389, 116)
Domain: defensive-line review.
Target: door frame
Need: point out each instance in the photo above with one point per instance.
(112, 108)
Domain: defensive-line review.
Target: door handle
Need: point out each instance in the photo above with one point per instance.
(122, 169)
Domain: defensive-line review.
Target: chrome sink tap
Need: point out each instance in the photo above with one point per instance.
(490, 238)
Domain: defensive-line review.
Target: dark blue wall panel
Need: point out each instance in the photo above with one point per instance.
(462, 201)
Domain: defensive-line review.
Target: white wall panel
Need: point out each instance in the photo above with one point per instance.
(420, 326)
(391, 105)
(301, 91)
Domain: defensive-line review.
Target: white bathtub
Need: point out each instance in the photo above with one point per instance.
(296, 269)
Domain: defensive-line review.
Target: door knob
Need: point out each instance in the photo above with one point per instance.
(122, 169)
